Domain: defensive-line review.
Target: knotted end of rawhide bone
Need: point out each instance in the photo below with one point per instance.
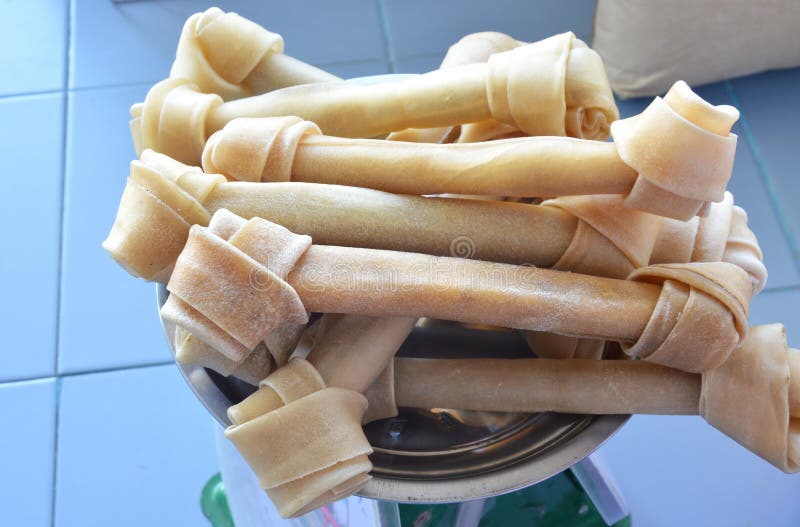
(303, 441)
(683, 150)
(754, 397)
(252, 369)
(162, 199)
(611, 240)
(172, 119)
(700, 317)
(721, 235)
(257, 149)
(556, 86)
(228, 286)
(218, 51)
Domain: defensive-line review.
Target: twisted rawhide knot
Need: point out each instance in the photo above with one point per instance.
(254, 149)
(172, 119)
(272, 353)
(683, 150)
(557, 86)
(304, 441)
(252, 369)
(228, 260)
(162, 200)
(721, 236)
(754, 397)
(611, 240)
(703, 306)
(478, 47)
(218, 51)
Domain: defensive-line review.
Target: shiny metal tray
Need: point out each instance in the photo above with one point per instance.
(443, 455)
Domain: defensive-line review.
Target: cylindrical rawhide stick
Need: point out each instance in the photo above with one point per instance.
(348, 351)
(526, 87)
(472, 49)
(756, 389)
(695, 159)
(722, 235)
(163, 198)
(316, 454)
(233, 57)
(273, 277)
(316, 451)
(590, 97)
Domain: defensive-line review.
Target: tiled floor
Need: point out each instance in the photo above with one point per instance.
(99, 429)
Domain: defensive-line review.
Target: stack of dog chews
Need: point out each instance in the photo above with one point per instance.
(500, 190)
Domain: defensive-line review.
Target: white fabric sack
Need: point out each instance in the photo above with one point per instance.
(647, 45)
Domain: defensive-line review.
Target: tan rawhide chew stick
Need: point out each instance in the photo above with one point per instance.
(231, 56)
(700, 240)
(348, 351)
(526, 87)
(691, 140)
(722, 235)
(317, 451)
(609, 241)
(163, 198)
(662, 314)
(471, 49)
(754, 397)
(251, 367)
(587, 234)
(589, 105)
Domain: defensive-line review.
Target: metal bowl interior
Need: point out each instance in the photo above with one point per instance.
(444, 455)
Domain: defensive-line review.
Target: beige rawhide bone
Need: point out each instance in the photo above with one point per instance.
(164, 198)
(250, 367)
(471, 49)
(688, 316)
(348, 351)
(304, 441)
(525, 87)
(722, 235)
(248, 364)
(587, 234)
(231, 56)
(590, 103)
(693, 169)
(753, 397)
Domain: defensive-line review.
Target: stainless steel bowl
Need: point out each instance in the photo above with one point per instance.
(443, 455)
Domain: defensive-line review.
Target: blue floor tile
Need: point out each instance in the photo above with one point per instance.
(33, 35)
(135, 447)
(418, 27)
(749, 192)
(135, 42)
(27, 411)
(30, 224)
(770, 105)
(108, 318)
(678, 470)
